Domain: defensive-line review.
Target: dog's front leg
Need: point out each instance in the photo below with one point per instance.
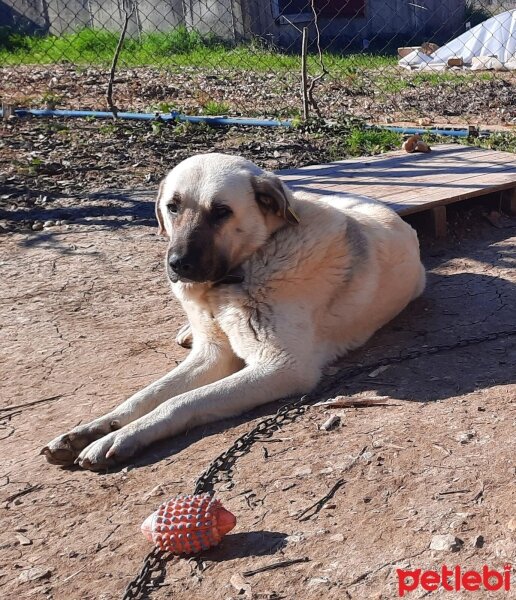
(203, 365)
(250, 387)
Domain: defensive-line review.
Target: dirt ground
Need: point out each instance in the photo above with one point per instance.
(88, 319)
(374, 95)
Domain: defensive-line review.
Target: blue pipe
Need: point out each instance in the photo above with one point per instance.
(176, 116)
(172, 116)
(423, 130)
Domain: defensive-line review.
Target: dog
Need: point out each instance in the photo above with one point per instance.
(275, 285)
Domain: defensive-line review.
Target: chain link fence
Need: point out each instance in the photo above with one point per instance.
(384, 61)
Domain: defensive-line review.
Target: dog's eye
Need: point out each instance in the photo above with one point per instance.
(221, 211)
(173, 208)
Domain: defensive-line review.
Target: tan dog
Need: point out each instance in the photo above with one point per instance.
(275, 285)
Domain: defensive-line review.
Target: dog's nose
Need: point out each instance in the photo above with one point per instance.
(179, 265)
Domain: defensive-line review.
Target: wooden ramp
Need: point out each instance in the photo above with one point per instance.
(411, 183)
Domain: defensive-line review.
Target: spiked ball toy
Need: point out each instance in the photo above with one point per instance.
(188, 524)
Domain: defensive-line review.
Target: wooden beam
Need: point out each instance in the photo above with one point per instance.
(509, 201)
(438, 214)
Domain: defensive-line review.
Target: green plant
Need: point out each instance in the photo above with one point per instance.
(162, 107)
(51, 99)
(34, 166)
(214, 108)
(157, 127)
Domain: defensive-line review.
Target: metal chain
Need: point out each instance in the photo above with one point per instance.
(155, 561)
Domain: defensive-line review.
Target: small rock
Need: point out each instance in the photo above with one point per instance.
(466, 437)
(511, 525)
(478, 541)
(331, 422)
(447, 542)
(37, 226)
(337, 537)
(316, 581)
(504, 549)
(47, 224)
(39, 591)
(23, 539)
(240, 584)
(294, 538)
(326, 471)
(330, 506)
(300, 471)
(33, 574)
(156, 491)
(377, 371)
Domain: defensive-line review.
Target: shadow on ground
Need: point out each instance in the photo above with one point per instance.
(455, 308)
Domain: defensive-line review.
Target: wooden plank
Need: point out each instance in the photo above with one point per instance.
(447, 170)
(448, 150)
(436, 176)
(418, 198)
(387, 162)
(509, 200)
(412, 182)
(439, 221)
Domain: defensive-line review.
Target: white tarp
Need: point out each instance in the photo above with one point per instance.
(495, 37)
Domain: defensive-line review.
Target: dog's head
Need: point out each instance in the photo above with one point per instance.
(217, 210)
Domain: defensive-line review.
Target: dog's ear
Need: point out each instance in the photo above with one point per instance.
(271, 196)
(159, 216)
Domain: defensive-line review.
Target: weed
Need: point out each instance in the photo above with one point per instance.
(162, 107)
(108, 128)
(34, 166)
(51, 100)
(215, 109)
(157, 127)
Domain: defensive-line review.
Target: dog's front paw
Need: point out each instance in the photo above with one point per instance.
(63, 450)
(114, 448)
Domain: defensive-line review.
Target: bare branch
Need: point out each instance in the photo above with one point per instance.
(109, 93)
(324, 71)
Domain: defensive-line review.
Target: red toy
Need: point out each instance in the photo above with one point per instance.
(188, 524)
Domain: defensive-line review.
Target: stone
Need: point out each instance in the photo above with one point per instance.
(318, 581)
(34, 574)
(448, 543)
(302, 471)
(23, 539)
(240, 585)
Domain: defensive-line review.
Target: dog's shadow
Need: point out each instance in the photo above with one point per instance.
(455, 307)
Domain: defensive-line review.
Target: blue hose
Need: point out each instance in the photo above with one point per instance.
(176, 116)
(423, 130)
(172, 116)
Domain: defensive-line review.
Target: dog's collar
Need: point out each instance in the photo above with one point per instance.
(234, 276)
